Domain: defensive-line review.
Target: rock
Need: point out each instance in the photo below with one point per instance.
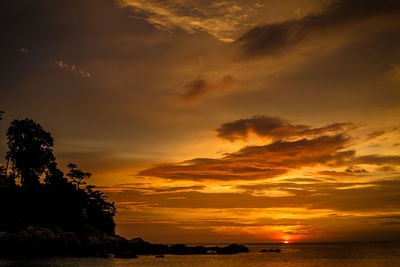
(271, 250)
(10, 238)
(3, 235)
(68, 238)
(118, 238)
(48, 233)
(39, 235)
(58, 230)
(31, 229)
(178, 249)
(196, 250)
(138, 241)
(125, 255)
(24, 236)
(36, 241)
(93, 240)
(231, 249)
(105, 236)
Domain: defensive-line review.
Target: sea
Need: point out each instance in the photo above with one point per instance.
(364, 254)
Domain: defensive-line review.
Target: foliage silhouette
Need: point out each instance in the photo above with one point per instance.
(30, 150)
(58, 203)
(76, 175)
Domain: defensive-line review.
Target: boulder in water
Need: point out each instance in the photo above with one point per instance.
(231, 249)
(271, 250)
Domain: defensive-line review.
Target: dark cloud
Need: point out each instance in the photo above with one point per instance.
(198, 88)
(275, 38)
(355, 169)
(386, 168)
(274, 127)
(375, 134)
(334, 195)
(378, 159)
(148, 189)
(335, 173)
(307, 180)
(259, 162)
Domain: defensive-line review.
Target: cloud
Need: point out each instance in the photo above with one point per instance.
(259, 162)
(274, 127)
(220, 19)
(355, 169)
(335, 173)
(293, 147)
(198, 88)
(149, 189)
(72, 68)
(378, 159)
(386, 168)
(275, 38)
(375, 134)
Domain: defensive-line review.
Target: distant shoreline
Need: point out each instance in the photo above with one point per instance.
(38, 242)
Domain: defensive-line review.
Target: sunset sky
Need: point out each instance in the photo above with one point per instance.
(218, 121)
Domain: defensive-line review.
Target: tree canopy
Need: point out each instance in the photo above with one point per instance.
(77, 176)
(30, 150)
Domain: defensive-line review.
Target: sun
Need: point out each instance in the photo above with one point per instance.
(286, 242)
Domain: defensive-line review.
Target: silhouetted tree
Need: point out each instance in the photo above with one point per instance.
(77, 176)
(100, 211)
(59, 202)
(54, 176)
(30, 150)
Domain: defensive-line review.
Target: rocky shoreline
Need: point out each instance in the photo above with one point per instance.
(39, 242)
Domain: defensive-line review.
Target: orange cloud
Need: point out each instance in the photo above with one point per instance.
(274, 127)
(259, 162)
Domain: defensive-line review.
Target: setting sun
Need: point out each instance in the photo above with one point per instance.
(286, 242)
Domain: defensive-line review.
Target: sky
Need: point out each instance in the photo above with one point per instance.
(218, 121)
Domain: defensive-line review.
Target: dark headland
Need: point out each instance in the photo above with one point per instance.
(44, 213)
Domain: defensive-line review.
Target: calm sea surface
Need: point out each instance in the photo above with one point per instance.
(310, 254)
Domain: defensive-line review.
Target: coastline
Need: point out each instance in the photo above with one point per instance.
(39, 242)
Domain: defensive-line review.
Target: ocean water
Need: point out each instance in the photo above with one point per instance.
(385, 254)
